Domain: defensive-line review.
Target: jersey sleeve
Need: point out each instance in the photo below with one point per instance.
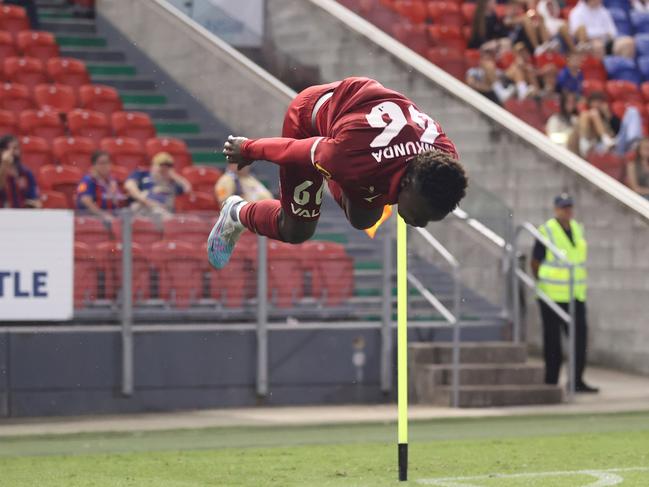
(282, 151)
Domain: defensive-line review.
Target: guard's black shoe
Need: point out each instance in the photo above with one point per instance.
(586, 389)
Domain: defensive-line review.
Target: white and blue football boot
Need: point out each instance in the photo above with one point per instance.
(224, 235)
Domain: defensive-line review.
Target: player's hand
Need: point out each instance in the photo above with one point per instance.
(232, 151)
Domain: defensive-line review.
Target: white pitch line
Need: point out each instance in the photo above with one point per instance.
(605, 478)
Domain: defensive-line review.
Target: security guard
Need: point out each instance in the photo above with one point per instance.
(553, 279)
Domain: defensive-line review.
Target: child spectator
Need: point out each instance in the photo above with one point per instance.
(487, 79)
(525, 26)
(523, 73)
(556, 27)
(98, 192)
(487, 26)
(18, 188)
(637, 170)
(562, 126)
(571, 78)
(153, 191)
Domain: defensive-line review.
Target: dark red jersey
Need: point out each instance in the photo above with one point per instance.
(364, 135)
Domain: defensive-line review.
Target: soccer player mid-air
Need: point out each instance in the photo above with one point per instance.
(373, 147)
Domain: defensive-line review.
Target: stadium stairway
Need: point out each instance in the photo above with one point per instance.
(114, 62)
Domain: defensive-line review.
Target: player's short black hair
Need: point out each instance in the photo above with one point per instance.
(5, 140)
(96, 155)
(440, 178)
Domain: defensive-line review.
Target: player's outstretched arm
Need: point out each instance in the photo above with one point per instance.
(278, 150)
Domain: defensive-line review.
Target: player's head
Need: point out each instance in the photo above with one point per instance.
(101, 163)
(10, 142)
(432, 188)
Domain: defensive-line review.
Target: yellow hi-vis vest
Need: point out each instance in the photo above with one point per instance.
(554, 275)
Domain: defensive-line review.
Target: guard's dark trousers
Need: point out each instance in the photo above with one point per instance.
(552, 326)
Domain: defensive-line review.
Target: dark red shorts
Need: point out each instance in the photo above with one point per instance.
(301, 185)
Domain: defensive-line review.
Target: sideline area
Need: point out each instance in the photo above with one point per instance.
(620, 392)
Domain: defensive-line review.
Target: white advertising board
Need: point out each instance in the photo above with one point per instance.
(36, 265)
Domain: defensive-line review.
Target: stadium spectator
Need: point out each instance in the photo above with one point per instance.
(487, 79)
(557, 27)
(547, 75)
(18, 188)
(487, 26)
(554, 281)
(98, 192)
(526, 26)
(242, 183)
(153, 192)
(640, 5)
(562, 126)
(591, 22)
(637, 169)
(523, 73)
(601, 131)
(570, 78)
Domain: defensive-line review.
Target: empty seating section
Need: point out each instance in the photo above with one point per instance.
(169, 266)
(440, 30)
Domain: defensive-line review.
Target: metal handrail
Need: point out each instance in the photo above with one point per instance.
(452, 317)
(569, 318)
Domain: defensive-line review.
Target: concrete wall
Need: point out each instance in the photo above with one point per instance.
(522, 172)
(234, 90)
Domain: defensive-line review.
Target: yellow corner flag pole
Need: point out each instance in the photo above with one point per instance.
(402, 346)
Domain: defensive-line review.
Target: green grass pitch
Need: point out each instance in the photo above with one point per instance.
(548, 451)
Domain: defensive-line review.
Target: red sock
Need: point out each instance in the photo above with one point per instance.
(262, 218)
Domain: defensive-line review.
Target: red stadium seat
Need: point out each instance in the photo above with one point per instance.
(285, 275)
(414, 10)
(230, 285)
(15, 97)
(146, 232)
(450, 60)
(593, 69)
(40, 123)
(38, 44)
(7, 45)
(125, 152)
(592, 86)
(550, 106)
(528, 111)
(179, 266)
(332, 271)
(86, 123)
(58, 98)
(68, 71)
(611, 164)
(468, 11)
(28, 71)
(13, 19)
(447, 36)
(86, 275)
(8, 123)
(35, 153)
(187, 228)
(550, 58)
(202, 178)
(53, 200)
(644, 89)
(110, 263)
(505, 60)
(415, 36)
(61, 178)
(136, 125)
(74, 151)
(92, 230)
(446, 13)
(100, 98)
(196, 201)
(621, 90)
(177, 148)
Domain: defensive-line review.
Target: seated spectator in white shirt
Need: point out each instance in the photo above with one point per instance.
(554, 24)
(591, 22)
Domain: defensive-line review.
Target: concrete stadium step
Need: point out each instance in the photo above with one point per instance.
(495, 396)
(58, 25)
(131, 83)
(206, 143)
(429, 376)
(92, 54)
(470, 353)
